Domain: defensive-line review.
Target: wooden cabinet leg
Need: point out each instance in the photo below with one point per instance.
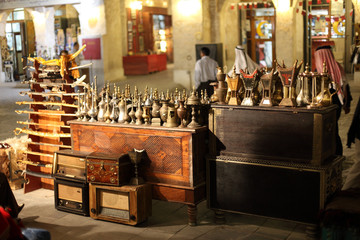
(192, 214)
(219, 217)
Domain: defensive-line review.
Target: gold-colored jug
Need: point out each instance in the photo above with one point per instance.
(324, 98)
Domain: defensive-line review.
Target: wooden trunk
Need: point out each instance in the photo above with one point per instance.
(281, 190)
(109, 169)
(126, 204)
(71, 196)
(297, 135)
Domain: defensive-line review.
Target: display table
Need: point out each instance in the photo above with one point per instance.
(174, 162)
(144, 64)
(276, 162)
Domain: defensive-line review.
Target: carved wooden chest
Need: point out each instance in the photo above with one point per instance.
(295, 192)
(297, 135)
(109, 169)
(126, 204)
(71, 196)
(70, 165)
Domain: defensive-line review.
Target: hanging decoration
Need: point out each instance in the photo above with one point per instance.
(251, 5)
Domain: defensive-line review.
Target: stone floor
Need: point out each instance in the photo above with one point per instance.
(169, 220)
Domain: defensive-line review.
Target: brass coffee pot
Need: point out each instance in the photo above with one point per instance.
(221, 88)
(324, 98)
(303, 97)
(234, 84)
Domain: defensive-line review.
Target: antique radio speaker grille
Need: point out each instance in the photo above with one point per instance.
(70, 193)
(114, 203)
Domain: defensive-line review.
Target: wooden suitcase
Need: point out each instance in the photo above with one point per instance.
(297, 135)
(126, 204)
(70, 165)
(71, 196)
(109, 169)
(295, 192)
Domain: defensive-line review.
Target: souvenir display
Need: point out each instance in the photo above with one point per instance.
(54, 103)
(267, 84)
(136, 157)
(221, 88)
(234, 84)
(250, 83)
(324, 98)
(288, 76)
(306, 78)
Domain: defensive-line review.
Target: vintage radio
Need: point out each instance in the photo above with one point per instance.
(71, 196)
(126, 204)
(297, 135)
(109, 169)
(69, 164)
(295, 192)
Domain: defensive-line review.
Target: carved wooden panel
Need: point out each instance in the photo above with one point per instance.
(171, 158)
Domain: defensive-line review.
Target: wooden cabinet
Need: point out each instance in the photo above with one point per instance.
(175, 157)
(297, 135)
(144, 64)
(295, 192)
(274, 162)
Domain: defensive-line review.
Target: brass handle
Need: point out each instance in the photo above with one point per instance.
(112, 180)
(92, 178)
(91, 167)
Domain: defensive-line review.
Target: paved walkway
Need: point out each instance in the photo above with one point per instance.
(169, 220)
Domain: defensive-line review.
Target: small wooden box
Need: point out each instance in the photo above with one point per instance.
(71, 196)
(69, 164)
(126, 204)
(109, 169)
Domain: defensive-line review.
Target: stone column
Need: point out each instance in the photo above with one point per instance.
(43, 18)
(285, 42)
(356, 10)
(187, 18)
(94, 25)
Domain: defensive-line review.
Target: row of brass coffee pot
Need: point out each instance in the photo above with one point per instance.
(278, 87)
(171, 110)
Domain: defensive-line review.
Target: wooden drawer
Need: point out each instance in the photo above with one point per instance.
(281, 190)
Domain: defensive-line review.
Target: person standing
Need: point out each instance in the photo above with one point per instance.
(243, 61)
(205, 72)
(343, 97)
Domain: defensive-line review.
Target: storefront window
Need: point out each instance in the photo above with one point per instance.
(8, 28)
(263, 29)
(19, 15)
(18, 42)
(16, 27)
